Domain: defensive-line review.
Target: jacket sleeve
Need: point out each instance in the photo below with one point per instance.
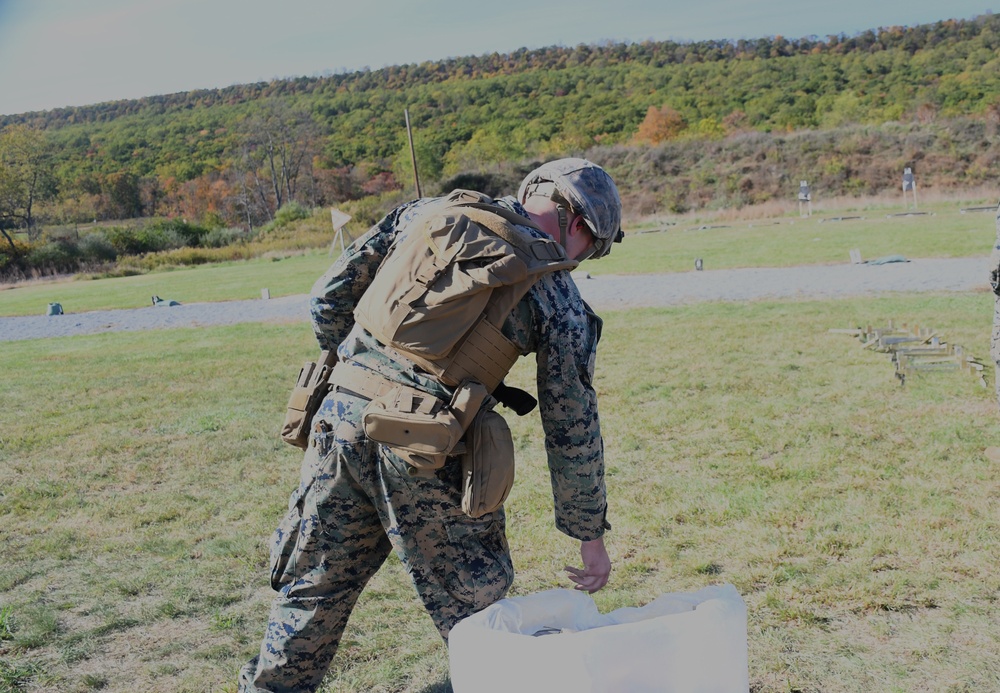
(336, 293)
(568, 332)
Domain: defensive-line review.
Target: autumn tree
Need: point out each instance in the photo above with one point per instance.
(659, 125)
(206, 198)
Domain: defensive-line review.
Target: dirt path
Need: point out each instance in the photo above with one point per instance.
(603, 292)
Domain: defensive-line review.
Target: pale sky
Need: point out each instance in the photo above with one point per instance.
(57, 53)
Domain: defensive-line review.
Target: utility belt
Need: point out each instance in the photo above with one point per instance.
(519, 401)
(425, 431)
(421, 428)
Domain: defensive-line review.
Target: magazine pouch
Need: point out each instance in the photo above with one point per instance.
(310, 388)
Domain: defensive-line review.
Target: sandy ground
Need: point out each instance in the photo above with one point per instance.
(603, 292)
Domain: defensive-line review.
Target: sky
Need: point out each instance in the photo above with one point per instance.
(56, 53)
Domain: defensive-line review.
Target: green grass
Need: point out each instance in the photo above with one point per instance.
(281, 275)
(141, 475)
(6, 623)
(788, 242)
(15, 675)
(782, 242)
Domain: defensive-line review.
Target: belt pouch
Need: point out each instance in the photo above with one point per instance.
(415, 425)
(487, 464)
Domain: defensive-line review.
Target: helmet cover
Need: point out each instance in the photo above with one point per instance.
(588, 190)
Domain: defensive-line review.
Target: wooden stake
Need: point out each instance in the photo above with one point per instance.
(413, 155)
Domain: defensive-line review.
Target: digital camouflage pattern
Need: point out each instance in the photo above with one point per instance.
(995, 344)
(356, 500)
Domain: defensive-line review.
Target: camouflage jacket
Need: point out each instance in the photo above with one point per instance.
(552, 321)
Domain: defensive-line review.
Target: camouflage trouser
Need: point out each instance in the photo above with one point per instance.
(354, 504)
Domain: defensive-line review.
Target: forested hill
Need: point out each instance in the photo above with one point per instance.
(476, 113)
(935, 64)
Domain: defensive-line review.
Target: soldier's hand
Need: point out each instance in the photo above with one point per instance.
(596, 567)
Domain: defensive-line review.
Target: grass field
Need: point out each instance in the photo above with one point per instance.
(294, 274)
(720, 243)
(790, 242)
(141, 475)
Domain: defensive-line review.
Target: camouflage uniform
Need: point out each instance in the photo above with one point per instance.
(356, 499)
(995, 345)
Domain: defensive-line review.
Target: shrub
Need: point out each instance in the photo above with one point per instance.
(54, 256)
(289, 212)
(150, 239)
(9, 256)
(181, 257)
(96, 247)
(191, 234)
(219, 238)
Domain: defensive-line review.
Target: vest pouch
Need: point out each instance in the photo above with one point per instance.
(487, 464)
(434, 285)
(435, 320)
(415, 425)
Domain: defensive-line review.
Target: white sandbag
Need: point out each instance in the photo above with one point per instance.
(681, 642)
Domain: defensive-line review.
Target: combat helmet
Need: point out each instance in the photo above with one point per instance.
(580, 187)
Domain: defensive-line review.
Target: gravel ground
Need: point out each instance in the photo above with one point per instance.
(603, 292)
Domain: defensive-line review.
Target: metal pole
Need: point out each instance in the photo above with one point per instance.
(413, 156)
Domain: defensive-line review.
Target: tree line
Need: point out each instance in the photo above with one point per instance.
(962, 35)
(234, 156)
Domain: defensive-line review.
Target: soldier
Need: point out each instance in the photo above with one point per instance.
(357, 501)
(995, 280)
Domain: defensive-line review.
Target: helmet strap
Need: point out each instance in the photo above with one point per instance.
(563, 224)
(547, 189)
